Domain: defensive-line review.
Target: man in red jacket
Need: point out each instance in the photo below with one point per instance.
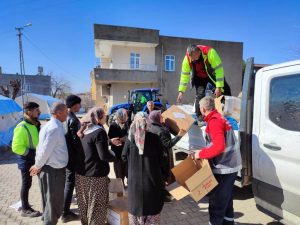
(223, 154)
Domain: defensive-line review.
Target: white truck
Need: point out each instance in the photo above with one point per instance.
(269, 136)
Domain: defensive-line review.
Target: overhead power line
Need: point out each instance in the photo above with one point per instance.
(49, 58)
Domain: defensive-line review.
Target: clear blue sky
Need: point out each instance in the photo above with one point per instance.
(62, 30)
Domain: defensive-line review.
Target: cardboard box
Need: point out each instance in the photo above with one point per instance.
(116, 188)
(176, 119)
(117, 213)
(232, 106)
(194, 178)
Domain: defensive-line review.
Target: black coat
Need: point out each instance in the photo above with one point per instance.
(116, 131)
(145, 180)
(167, 142)
(94, 156)
(72, 140)
(164, 134)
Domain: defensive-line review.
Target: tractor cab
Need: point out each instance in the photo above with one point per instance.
(137, 101)
(138, 98)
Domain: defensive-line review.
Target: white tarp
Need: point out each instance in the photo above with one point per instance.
(45, 102)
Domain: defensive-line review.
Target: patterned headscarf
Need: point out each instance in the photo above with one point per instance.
(138, 130)
(154, 116)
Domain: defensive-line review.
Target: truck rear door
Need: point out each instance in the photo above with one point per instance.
(246, 119)
(276, 141)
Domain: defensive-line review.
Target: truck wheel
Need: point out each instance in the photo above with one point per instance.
(111, 118)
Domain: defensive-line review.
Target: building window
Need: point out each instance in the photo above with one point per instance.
(27, 88)
(134, 60)
(169, 63)
(284, 102)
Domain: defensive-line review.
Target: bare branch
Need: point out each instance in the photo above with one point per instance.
(16, 85)
(5, 90)
(59, 87)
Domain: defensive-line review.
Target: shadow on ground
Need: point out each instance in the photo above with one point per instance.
(242, 193)
(7, 157)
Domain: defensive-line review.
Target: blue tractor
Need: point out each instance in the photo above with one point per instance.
(137, 101)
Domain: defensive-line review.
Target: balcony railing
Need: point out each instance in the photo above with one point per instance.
(128, 66)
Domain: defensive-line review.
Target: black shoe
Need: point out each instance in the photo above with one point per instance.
(168, 198)
(30, 212)
(70, 216)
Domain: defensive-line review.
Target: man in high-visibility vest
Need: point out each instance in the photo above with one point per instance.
(25, 141)
(200, 66)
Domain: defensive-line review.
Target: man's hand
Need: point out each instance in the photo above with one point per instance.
(195, 154)
(218, 92)
(34, 171)
(116, 141)
(179, 97)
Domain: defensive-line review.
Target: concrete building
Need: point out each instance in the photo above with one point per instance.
(142, 58)
(38, 84)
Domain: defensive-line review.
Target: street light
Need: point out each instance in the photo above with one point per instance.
(22, 66)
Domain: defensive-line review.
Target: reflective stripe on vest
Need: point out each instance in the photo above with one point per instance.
(230, 160)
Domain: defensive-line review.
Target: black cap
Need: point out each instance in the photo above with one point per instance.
(72, 100)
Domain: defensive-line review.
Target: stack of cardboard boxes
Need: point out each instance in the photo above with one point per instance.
(193, 177)
(117, 213)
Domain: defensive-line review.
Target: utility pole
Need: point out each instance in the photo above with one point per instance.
(22, 64)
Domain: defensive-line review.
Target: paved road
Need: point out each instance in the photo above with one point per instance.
(184, 212)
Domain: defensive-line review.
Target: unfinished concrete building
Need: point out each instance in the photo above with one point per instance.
(131, 58)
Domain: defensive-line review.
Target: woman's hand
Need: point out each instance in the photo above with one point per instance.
(116, 141)
(123, 139)
(195, 154)
(181, 133)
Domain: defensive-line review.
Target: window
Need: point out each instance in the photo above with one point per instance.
(169, 63)
(134, 60)
(284, 102)
(27, 88)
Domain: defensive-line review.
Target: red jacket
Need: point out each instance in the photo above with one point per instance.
(216, 128)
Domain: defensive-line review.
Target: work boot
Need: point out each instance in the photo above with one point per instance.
(70, 216)
(30, 212)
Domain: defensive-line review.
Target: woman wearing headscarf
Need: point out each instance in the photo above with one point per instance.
(119, 129)
(143, 151)
(92, 168)
(156, 126)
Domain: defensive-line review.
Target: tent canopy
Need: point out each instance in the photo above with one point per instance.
(45, 102)
(7, 106)
(10, 115)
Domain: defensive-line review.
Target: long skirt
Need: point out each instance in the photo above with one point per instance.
(144, 220)
(92, 196)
